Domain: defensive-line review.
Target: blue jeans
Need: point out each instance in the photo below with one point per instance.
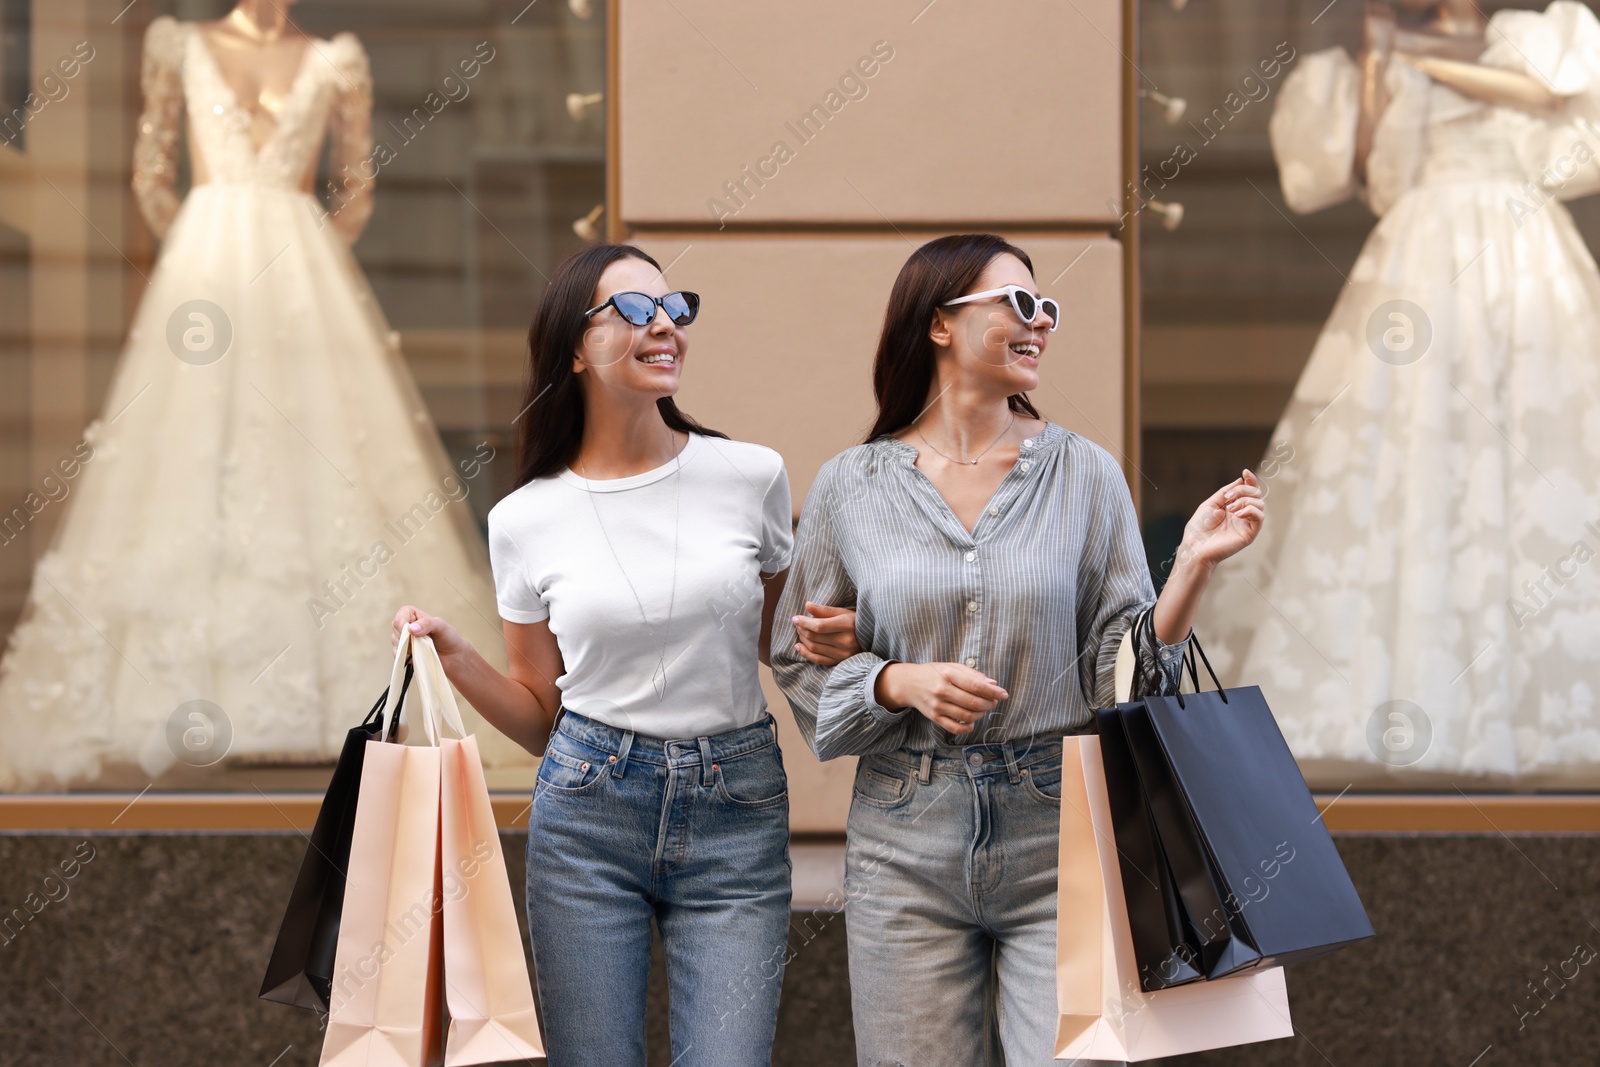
(693, 833)
(950, 904)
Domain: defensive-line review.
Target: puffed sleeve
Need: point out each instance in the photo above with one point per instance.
(1313, 130)
(1560, 48)
(1399, 138)
(350, 127)
(1114, 589)
(835, 707)
(155, 148)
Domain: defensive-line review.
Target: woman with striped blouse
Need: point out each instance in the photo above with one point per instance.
(994, 562)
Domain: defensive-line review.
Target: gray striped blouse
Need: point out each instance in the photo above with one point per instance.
(1037, 596)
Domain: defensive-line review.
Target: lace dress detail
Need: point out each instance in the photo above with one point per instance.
(155, 149)
(258, 505)
(331, 96)
(1435, 480)
(350, 125)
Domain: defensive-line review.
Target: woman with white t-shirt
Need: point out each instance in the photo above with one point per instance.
(637, 566)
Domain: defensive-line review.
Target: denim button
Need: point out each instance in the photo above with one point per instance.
(975, 760)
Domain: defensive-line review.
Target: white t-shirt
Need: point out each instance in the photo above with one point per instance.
(567, 549)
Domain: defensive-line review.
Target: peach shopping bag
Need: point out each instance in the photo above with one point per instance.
(490, 997)
(1104, 1013)
(387, 997)
(428, 932)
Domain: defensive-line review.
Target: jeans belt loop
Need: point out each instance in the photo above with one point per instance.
(622, 755)
(706, 776)
(1009, 751)
(925, 772)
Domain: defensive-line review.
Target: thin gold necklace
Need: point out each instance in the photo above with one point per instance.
(973, 462)
(658, 678)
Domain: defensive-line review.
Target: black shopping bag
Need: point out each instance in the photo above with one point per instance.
(300, 971)
(1245, 872)
(1165, 947)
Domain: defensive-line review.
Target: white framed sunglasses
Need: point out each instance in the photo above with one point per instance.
(1024, 303)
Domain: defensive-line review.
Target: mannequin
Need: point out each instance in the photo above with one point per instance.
(1446, 49)
(259, 51)
(267, 484)
(1417, 612)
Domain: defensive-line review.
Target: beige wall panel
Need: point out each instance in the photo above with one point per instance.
(782, 355)
(819, 793)
(1006, 110)
(782, 351)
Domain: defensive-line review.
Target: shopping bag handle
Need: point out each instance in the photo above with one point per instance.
(375, 715)
(1144, 631)
(394, 695)
(1194, 647)
(438, 700)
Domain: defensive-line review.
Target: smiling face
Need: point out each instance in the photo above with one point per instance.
(638, 362)
(986, 340)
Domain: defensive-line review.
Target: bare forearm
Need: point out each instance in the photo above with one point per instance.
(1490, 84)
(1180, 598)
(771, 592)
(1225, 523)
(508, 705)
(1374, 99)
(1432, 44)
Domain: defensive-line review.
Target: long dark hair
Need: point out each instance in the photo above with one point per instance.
(552, 406)
(940, 270)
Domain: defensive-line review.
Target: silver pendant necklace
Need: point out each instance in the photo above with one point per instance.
(658, 678)
(973, 462)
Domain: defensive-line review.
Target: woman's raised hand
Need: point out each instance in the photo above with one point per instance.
(446, 639)
(827, 635)
(1228, 520)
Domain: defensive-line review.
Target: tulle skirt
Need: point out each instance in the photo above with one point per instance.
(1423, 603)
(263, 489)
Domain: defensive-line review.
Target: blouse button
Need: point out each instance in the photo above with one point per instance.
(1028, 443)
(1025, 464)
(972, 661)
(972, 605)
(995, 510)
(971, 556)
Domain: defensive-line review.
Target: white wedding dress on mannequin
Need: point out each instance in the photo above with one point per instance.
(266, 486)
(1423, 603)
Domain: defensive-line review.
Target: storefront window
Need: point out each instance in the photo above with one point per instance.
(1419, 611)
(283, 444)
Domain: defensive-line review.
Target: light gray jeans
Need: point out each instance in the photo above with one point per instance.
(950, 905)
